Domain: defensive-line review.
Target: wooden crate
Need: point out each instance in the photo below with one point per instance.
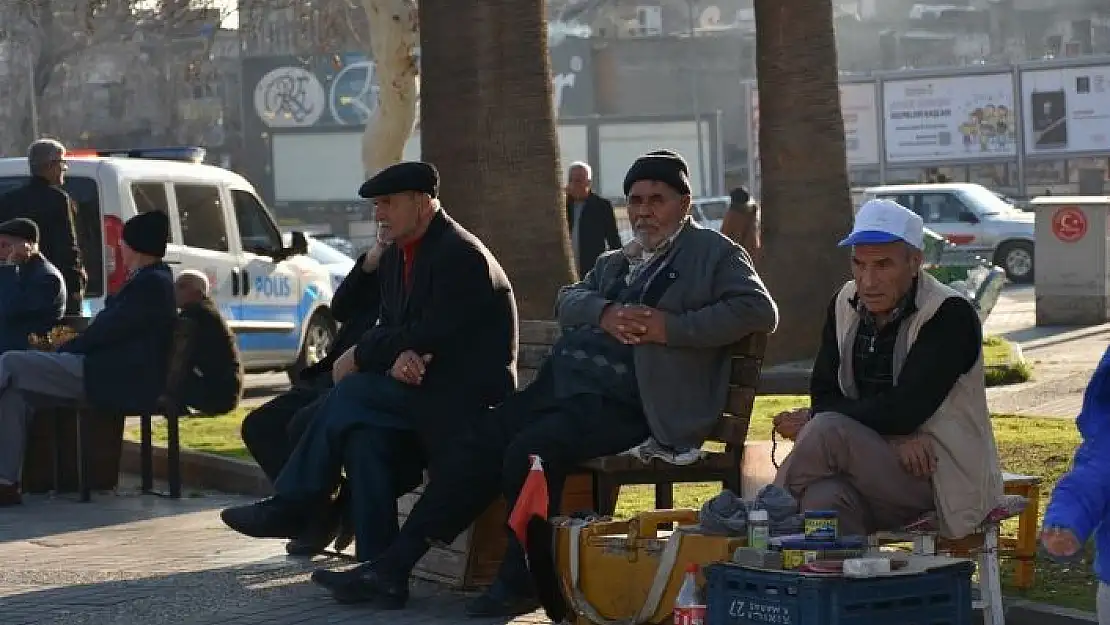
(105, 446)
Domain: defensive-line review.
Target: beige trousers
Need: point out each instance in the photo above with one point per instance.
(839, 464)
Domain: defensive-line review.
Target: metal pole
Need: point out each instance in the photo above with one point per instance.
(695, 83)
(32, 89)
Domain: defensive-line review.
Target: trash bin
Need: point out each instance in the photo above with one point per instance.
(1071, 281)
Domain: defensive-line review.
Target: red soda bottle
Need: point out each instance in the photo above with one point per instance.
(688, 606)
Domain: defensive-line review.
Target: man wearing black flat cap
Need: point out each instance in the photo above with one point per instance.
(444, 349)
(641, 362)
(117, 364)
(32, 291)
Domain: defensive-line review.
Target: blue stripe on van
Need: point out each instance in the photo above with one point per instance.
(273, 341)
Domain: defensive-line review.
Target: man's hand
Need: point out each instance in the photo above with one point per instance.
(916, 454)
(410, 367)
(633, 325)
(344, 365)
(1060, 542)
(790, 423)
(373, 256)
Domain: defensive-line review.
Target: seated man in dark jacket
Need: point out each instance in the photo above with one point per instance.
(643, 353)
(214, 380)
(118, 364)
(444, 348)
(32, 291)
(272, 430)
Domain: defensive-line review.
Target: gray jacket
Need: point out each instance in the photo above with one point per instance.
(715, 299)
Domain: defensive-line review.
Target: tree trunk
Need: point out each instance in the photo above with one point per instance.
(394, 35)
(487, 122)
(805, 195)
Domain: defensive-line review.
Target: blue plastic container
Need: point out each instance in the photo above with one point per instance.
(740, 596)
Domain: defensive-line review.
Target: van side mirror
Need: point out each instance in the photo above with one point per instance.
(969, 217)
(299, 244)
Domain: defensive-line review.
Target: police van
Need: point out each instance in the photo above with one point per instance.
(275, 298)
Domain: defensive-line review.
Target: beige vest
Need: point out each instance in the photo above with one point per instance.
(968, 480)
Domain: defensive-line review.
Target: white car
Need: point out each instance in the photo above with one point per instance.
(975, 219)
(337, 264)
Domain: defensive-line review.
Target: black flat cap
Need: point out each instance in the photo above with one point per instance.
(21, 228)
(661, 165)
(407, 176)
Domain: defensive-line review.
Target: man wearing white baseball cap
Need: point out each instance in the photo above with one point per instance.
(899, 426)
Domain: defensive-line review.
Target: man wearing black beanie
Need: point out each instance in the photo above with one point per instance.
(117, 364)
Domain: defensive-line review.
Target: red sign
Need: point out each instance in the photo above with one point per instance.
(1069, 224)
(960, 239)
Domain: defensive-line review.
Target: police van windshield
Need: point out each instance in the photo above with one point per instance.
(985, 201)
(86, 195)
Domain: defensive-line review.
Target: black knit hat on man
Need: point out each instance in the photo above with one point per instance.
(148, 233)
(409, 176)
(21, 228)
(662, 166)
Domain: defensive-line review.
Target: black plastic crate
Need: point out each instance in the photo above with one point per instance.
(740, 596)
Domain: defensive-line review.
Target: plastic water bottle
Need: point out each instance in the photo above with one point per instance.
(688, 606)
(759, 529)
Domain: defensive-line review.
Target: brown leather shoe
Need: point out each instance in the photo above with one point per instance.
(9, 495)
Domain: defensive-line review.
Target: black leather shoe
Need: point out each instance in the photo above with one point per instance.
(318, 533)
(498, 604)
(270, 518)
(364, 585)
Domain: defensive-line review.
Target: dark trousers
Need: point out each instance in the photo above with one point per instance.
(493, 459)
(368, 423)
(272, 430)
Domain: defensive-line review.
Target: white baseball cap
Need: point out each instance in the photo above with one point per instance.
(886, 221)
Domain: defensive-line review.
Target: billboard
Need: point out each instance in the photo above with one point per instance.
(1066, 110)
(858, 106)
(955, 118)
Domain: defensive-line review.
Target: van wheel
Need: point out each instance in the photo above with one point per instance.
(317, 339)
(1016, 258)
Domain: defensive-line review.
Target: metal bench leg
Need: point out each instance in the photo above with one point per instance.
(664, 495)
(146, 453)
(82, 458)
(173, 456)
(990, 581)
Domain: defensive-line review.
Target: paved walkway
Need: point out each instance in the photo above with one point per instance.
(141, 560)
(1062, 357)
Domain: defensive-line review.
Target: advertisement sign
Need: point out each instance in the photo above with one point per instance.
(1066, 110)
(860, 110)
(949, 119)
(342, 89)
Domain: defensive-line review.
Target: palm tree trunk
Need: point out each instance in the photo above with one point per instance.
(487, 122)
(805, 194)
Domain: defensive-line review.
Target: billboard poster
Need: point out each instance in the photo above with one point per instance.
(859, 108)
(955, 118)
(1067, 110)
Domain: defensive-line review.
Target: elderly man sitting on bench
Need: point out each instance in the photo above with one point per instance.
(899, 425)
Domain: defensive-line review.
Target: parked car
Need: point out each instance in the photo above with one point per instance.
(337, 264)
(275, 298)
(974, 219)
(340, 244)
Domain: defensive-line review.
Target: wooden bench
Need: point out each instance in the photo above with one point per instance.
(91, 429)
(472, 560)
(610, 473)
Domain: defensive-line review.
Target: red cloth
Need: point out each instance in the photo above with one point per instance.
(531, 502)
(408, 254)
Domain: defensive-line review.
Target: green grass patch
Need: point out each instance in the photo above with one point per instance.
(1000, 366)
(1027, 446)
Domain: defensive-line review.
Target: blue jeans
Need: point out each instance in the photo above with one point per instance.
(361, 400)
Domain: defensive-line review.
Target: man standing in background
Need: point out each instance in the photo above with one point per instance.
(593, 226)
(43, 201)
